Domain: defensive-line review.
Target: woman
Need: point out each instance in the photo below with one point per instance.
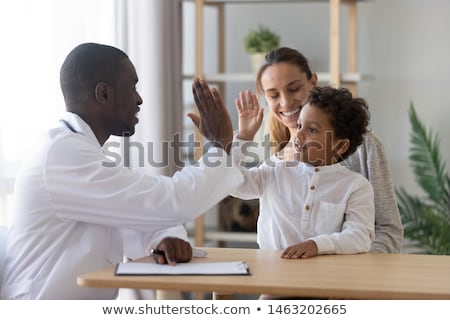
(285, 79)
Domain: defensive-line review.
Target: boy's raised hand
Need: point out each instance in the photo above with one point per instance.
(250, 115)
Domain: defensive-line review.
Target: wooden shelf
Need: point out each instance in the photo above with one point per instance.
(323, 77)
(228, 236)
(335, 76)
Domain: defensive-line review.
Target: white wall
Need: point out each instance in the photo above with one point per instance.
(403, 44)
(406, 46)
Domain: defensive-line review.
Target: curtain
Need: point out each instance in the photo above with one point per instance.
(150, 32)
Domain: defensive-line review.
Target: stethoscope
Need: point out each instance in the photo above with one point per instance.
(69, 126)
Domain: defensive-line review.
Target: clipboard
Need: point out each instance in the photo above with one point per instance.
(201, 268)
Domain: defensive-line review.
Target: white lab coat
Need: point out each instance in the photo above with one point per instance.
(74, 215)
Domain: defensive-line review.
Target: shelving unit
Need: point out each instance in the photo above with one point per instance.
(334, 76)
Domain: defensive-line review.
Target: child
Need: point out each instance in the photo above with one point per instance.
(310, 204)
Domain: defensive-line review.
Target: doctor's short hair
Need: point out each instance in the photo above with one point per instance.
(84, 67)
(349, 116)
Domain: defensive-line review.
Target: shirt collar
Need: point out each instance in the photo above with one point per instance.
(309, 167)
(79, 126)
(329, 168)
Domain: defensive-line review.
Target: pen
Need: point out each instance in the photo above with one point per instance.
(196, 253)
(158, 252)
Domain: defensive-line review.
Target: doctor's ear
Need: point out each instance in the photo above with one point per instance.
(103, 92)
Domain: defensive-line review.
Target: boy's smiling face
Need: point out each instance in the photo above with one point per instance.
(315, 142)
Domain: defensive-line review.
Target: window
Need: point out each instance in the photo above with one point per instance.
(36, 36)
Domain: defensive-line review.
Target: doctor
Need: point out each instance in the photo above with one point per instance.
(74, 214)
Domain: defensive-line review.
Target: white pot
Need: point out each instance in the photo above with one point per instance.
(257, 59)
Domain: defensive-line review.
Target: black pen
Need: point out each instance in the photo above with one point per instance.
(196, 253)
(158, 252)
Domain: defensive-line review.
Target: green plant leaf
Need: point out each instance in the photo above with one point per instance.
(426, 161)
(426, 220)
(261, 40)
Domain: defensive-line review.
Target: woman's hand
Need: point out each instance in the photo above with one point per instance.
(250, 115)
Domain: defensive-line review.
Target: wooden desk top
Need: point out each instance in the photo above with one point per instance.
(361, 276)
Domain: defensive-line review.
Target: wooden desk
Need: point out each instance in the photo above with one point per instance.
(362, 276)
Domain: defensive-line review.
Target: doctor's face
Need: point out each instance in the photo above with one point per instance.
(126, 101)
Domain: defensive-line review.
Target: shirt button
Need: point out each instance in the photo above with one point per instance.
(312, 187)
(307, 207)
(316, 169)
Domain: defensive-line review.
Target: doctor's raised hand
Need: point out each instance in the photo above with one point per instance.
(213, 119)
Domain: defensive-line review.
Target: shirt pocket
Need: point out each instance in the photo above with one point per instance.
(330, 217)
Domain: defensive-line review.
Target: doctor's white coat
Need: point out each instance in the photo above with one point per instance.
(74, 214)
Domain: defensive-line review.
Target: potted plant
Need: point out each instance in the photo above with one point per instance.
(258, 43)
(426, 219)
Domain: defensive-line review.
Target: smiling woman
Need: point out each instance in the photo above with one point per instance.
(36, 35)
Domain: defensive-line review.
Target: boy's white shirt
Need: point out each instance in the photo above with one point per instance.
(330, 204)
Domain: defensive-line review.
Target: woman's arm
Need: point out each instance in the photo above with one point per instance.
(370, 160)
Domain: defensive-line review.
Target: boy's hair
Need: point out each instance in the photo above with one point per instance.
(349, 116)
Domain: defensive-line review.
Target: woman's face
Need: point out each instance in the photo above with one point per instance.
(285, 88)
